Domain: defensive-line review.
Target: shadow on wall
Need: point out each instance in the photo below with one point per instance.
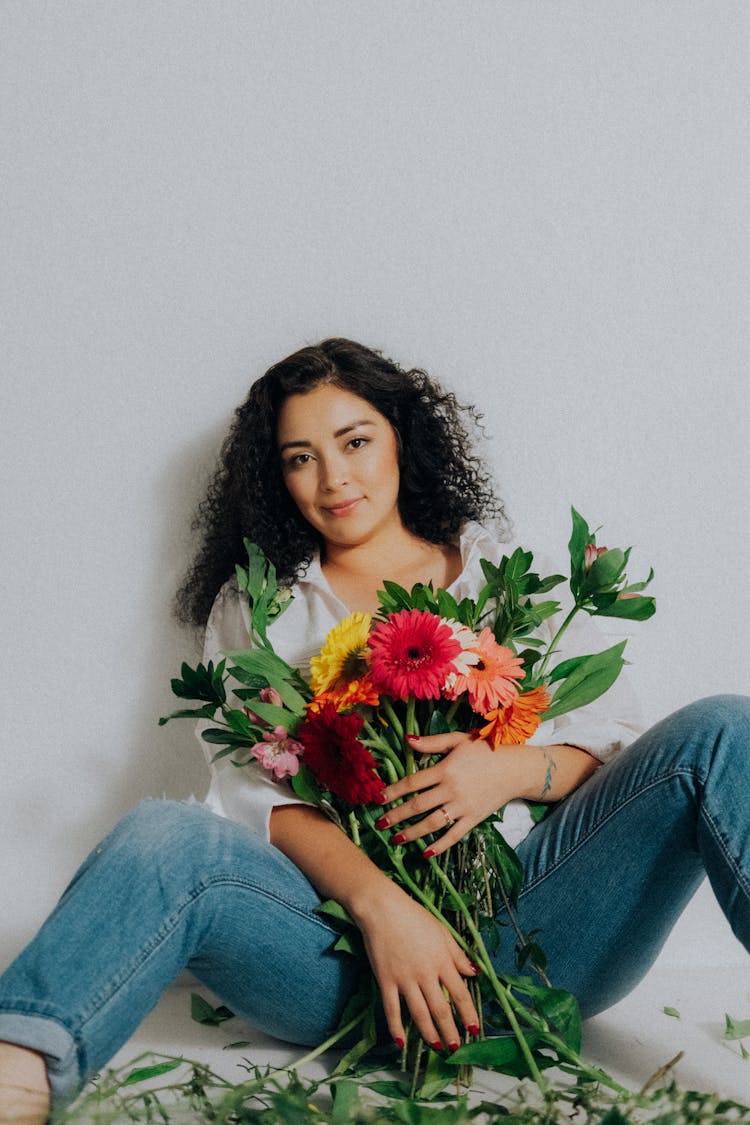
(177, 767)
(161, 761)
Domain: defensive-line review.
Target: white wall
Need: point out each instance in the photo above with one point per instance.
(545, 204)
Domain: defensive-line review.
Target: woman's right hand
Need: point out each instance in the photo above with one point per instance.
(414, 957)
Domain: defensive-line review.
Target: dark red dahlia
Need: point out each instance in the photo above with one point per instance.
(336, 756)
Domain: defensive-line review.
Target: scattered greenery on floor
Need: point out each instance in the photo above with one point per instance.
(172, 1090)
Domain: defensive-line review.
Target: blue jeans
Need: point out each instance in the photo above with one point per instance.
(175, 886)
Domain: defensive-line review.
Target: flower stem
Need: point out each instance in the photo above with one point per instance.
(539, 675)
(501, 991)
(375, 741)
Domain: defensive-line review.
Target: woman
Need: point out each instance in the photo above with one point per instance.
(347, 470)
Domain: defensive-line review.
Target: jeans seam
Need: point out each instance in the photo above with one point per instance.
(169, 926)
(670, 776)
(739, 876)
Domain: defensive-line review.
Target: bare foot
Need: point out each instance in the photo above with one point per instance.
(24, 1089)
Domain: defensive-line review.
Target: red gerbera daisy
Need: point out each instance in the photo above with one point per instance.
(412, 654)
(336, 756)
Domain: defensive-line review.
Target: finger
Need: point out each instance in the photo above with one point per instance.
(435, 743)
(418, 806)
(419, 1011)
(412, 783)
(392, 1011)
(462, 1001)
(441, 1011)
(434, 822)
(442, 843)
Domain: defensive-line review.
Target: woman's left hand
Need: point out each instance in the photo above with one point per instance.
(470, 783)
(473, 781)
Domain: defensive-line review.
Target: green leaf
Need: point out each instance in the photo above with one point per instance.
(606, 569)
(332, 909)
(274, 716)
(447, 605)
(202, 682)
(736, 1029)
(241, 1043)
(144, 1072)
(580, 537)
(438, 1075)
(346, 1102)
(629, 609)
(206, 712)
(349, 943)
(561, 1010)
(593, 676)
(500, 1052)
(218, 736)
(671, 1012)
(564, 668)
(306, 786)
(203, 1012)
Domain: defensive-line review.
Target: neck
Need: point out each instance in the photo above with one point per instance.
(375, 556)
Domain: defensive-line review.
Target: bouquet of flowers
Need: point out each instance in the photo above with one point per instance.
(427, 664)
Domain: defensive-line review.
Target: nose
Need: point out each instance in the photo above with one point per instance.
(333, 473)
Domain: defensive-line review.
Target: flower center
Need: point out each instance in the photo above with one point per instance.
(354, 665)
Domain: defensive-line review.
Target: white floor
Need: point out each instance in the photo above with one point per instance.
(631, 1040)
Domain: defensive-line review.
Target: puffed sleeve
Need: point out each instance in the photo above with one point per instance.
(247, 793)
(612, 721)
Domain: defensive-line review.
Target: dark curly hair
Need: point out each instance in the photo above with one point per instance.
(442, 484)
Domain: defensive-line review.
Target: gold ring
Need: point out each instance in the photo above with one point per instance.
(449, 821)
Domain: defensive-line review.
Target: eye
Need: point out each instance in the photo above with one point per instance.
(358, 442)
(297, 461)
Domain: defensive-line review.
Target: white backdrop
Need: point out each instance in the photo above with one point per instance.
(544, 204)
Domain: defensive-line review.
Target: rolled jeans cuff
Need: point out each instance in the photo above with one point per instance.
(51, 1039)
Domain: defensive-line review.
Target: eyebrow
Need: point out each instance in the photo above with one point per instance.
(337, 434)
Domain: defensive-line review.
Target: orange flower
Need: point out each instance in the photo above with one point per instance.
(491, 681)
(514, 724)
(346, 695)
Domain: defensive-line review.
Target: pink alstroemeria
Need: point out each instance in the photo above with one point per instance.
(592, 554)
(278, 753)
(265, 695)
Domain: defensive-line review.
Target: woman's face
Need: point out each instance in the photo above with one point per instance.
(340, 463)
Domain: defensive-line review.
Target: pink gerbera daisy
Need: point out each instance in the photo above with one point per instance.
(413, 653)
(490, 682)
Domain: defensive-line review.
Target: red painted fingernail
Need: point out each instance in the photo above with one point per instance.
(476, 968)
(399, 1042)
(382, 799)
(397, 838)
(428, 853)
(437, 1045)
(381, 822)
(473, 1029)
(453, 1046)
(412, 738)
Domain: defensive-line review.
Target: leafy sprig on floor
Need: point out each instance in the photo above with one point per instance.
(175, 1091)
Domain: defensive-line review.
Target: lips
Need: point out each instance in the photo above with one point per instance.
(344, 508)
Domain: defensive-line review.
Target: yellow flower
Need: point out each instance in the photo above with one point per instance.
(343, 657)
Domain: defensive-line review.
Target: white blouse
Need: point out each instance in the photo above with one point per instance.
(249, 793)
